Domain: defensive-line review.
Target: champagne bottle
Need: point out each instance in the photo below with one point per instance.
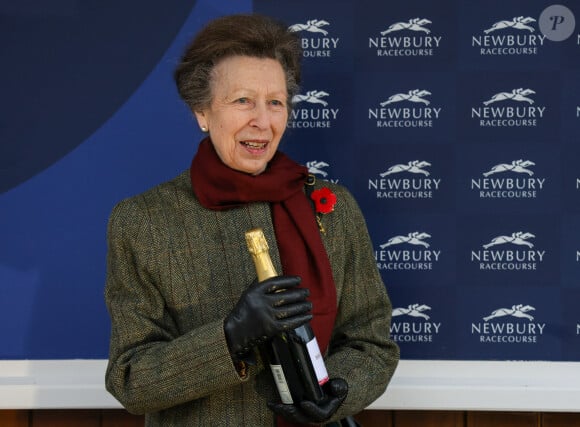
(294, 356)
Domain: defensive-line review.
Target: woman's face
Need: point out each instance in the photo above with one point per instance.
(248, 113)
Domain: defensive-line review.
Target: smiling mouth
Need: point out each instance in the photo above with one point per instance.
(254, 145)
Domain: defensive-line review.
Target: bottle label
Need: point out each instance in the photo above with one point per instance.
(317, 361)
(281, 384)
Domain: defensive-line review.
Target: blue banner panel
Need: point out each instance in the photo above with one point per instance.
(92, 117)
(68, 68)
(456, 131)
(455, 125)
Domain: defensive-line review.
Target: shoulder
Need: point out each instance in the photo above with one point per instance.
(152, 202)
(158, 194)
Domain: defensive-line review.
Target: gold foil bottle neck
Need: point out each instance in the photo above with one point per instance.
(256, 241)
(258, 247)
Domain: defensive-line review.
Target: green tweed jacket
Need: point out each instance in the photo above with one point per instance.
(175, 270)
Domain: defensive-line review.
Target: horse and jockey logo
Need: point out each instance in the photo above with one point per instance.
(312, 97)
(519, 95)
(315, 167)
(517, 238)
(413, 310)
(518, 23)
(519, 310)
(518, 166)
(311, 26)
(415, 95)
(414, 166)
(414, 238)
(415, 24)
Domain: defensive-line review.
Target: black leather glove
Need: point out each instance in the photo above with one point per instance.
(264, 310)
(309, 412)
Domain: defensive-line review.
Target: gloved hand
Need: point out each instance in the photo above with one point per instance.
(264, 310)
(309, 412)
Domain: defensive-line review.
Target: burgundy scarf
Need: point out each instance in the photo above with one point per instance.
(302, 252)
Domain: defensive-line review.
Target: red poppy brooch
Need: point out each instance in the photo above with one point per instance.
(324, 201)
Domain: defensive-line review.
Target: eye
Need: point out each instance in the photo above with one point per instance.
(276, 103)
(242, 100)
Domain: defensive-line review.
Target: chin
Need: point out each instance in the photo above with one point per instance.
(256, 172)
(254, 168)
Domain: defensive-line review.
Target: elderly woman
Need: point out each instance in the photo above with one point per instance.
(188, 314)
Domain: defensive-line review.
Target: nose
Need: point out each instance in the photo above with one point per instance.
(261, 116)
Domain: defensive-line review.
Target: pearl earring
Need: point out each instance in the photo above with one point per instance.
(203, 129)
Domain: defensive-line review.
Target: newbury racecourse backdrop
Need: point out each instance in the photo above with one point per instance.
(454, 123)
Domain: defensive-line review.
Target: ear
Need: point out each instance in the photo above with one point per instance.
(201, 120)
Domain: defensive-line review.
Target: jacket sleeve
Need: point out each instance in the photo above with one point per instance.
(360, 350)
(152, 364)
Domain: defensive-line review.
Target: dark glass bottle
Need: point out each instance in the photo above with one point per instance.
(294, 357)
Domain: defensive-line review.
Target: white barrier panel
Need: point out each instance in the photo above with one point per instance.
(416, 385)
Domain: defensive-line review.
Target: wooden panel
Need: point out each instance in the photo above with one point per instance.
(66, 418)
(13, 418)
(503, 419)
(368, 418)
(121, 418)
(375, 418)
(561, 419)
(429, 419)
